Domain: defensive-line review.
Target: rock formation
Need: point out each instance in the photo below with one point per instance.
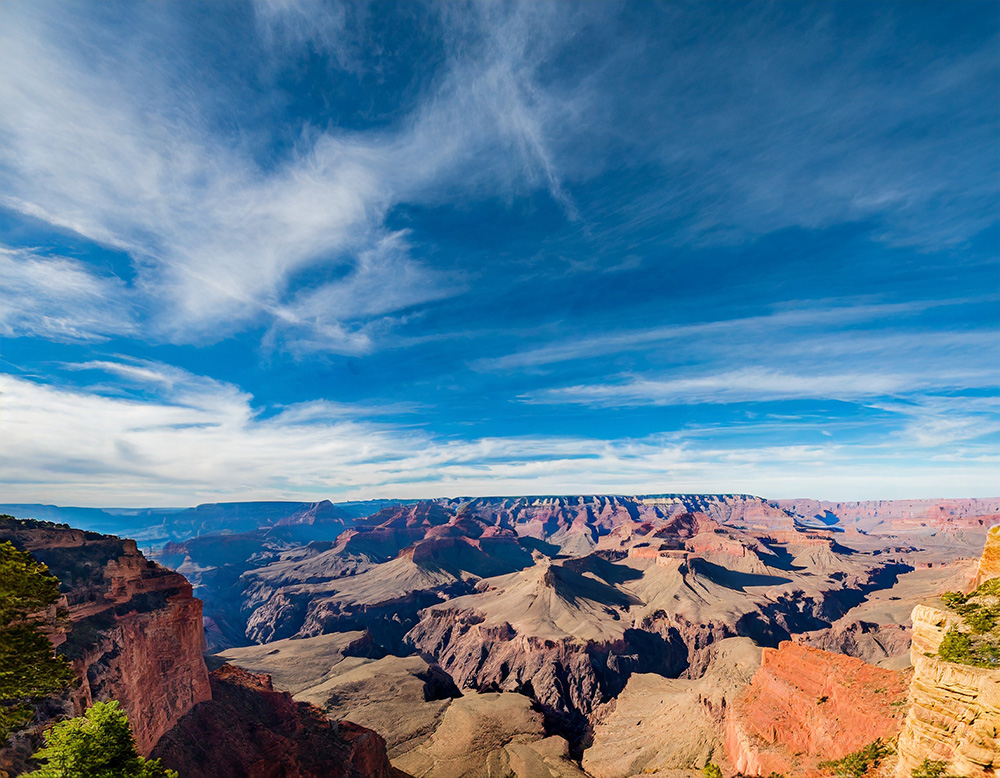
(402, 698)
(248, 730)
(483, 735)
(954, 714)
(134, 631)
(806, 705)
(659, 724)
(989, 562)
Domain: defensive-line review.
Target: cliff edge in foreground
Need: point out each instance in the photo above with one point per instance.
(133, 630)
(954, 714)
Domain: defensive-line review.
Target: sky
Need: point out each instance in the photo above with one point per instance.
(305, 251)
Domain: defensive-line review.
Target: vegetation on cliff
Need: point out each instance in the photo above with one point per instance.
(29, 669)
(931, 769)
(979, 645)
(857, 764)
(98, 744)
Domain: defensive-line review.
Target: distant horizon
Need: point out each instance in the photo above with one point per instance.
(640, 495)
(283, 249)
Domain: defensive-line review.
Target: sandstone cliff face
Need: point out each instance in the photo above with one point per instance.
(805, 706)
(989, 562)
(134, 631)
(954, 714)
(248, 730)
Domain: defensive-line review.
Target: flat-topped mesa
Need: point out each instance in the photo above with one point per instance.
(134, 630)
(806, 705)
(661, 554)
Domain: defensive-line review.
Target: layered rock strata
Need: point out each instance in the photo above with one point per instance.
(133, 631)
(806, 705)
(954, 714)
(989, 562)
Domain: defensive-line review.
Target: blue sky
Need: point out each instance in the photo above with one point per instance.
(347, 250)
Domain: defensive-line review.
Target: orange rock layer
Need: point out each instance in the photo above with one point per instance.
(806, 705)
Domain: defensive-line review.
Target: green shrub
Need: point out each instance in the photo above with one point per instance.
(929, 769)
(858, 764)
(711, 771)
(98, 744)
(978, 642)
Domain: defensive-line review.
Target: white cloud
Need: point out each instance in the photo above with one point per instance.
(61, 298)
(191, 439)
(818, 327)
(97, 141)
(761, 384)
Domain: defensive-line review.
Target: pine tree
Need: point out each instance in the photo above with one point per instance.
(29, 669)
(98, 744)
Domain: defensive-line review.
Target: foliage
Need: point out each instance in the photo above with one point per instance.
(25, 585)
(858, 764)
(98, 744)
(29, 670)
(711, 771)
(980, 610)
(929, 769)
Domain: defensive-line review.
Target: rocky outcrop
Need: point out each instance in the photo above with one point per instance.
(637, 733)
(483, 735)
(133, 631)
(989, 562)
(954, 714)
(248, 730)
(806, 705)
(555, 631)
(872, 643)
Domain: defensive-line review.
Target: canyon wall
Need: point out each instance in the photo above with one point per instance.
(249, 730)
(954, 714)
(133, 631)
(805, 705)
(989, 562)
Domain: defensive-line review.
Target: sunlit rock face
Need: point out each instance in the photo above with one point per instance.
(989, 562)
(806, 705)
(954, 714)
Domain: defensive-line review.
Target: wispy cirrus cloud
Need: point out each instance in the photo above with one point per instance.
(218, 238)
(756, 384)
(818, 325)
(61, 299)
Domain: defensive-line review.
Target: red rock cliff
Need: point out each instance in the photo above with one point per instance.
(806, 705)
(134, 631)
(248, 730)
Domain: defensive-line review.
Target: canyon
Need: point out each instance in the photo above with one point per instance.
(534, 636)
